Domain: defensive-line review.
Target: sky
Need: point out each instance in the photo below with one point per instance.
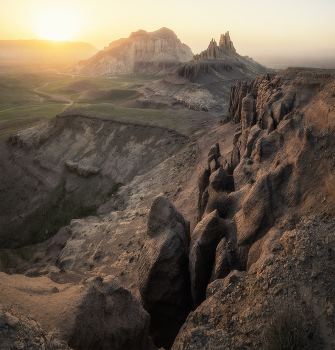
(258, 27)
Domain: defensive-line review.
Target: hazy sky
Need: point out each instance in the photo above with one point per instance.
(256, 27)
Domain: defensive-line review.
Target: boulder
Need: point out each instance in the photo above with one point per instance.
(99, 313)
(203, 204)
(235, 158)
(203, 178)
(164, 279)
(109, 317)
(267, 121)
(214, 153)
(222, 162)
(203, 182)
(212, 166)
(265, 202)
(248, 111)
(268, 146)
(223, 261)
(205, 238)
(218, 179)
(254, 210)
(253, 134)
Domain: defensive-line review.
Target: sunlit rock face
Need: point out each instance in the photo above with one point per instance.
(156, 52)
(203, 84)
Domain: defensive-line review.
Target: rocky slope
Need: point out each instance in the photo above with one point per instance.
(156, 52)
(204, 82)
(239, 253)
(73, 162)
(254, 257)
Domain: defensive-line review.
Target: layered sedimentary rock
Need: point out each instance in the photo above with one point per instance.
(204, 82)
(156, 52)
(70, 157)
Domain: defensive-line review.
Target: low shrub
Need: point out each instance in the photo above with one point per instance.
(113, 190)
(251, 181)
(220, 201)
(287, 330)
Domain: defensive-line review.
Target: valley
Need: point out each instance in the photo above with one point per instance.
(187, 210)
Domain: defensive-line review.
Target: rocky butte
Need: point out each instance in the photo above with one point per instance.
(157, 52)
(204, 82)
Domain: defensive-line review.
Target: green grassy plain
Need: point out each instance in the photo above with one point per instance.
(31, 95)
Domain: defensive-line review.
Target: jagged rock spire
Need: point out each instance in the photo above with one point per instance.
(213, 51)
(225, 43)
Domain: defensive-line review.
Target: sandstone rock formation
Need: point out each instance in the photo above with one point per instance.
(281, 171)
(157, 52)
(164, 278)
(205, 238)
(205, 81)
(270, 264)
(214, 51)
(289, 285)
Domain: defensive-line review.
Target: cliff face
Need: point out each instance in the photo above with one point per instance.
(204, 82)
(85, 152)
(157, 52)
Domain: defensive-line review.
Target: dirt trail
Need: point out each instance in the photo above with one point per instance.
(55, 97)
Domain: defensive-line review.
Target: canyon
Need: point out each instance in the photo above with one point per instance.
(176, 238)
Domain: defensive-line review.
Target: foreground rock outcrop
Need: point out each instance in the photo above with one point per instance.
(204, 82)
(157, 52)
(164, 278)
(281, 165)
(289, 285)
(99, 313)
(205, 238)
(19, 333)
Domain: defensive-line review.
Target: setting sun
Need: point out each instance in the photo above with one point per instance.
(56, 23)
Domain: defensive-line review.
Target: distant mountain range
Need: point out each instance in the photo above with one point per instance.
(20, 51)
(158, 52)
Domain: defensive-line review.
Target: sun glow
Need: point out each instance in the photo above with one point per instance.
(56, 23)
